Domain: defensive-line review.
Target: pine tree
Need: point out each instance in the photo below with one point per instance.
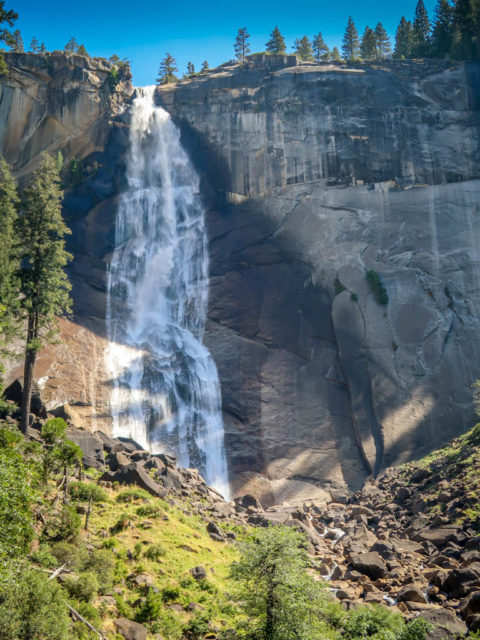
(320, 49)
(403, 39)
(43, 48)
(442, 33)
(382, 42)
(205, 66)
(34, 46)
(350, 46)
(467, 29)
(82, 50)
(166, 72)
(9, 262)
(71, 46)
(7, 17)
(190, 69)
(303, 48)
(368, 46)
(17, 42)
(241, 46)
(421, 31)
(44, 285)
(276, 44)
(335, 55)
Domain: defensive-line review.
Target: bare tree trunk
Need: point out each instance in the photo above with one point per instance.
(30, 357)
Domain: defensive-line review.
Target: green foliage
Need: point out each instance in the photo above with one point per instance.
(167, 69)
(133, 494)
(170, 594)
(376, 285)
(87, 491)
(335, 55)
(320, 49)
(53, 431)
(71, 46)
(83, 588)
(64, 526)
(148, 510)
(69, 554)
(113, 77)
(241, 45)
(44, 557)
(350, 46)
(421, 31)
(16, 42)
(16, 499)
(278, 597)
(382, 41)
(276, 44)
(368, 46)
(303, 48)
(76, 172)
(33, 608)
(403, 39)
(102, 563)
(379, 623)
(151, 608)
(7, 17)
(154, 552)
(443, 28)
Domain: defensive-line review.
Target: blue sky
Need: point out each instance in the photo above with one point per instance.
(202, 30)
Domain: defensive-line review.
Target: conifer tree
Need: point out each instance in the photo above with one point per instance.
(17, 42)
(382, 42)
(82, 50)
(43, 48)
(368, 46)
(71, 46)
(190, 69)
(205, 66)
(44, 285)
(467, 29)
(350, 46)
(276, 44)
(242, 46)
(421, 31)
(320, 49)
(335, 55)
(7, 17)
(9, 263)
(303, 48)
(167, 69)
(34, 45)
(442, 33)
(403, 39)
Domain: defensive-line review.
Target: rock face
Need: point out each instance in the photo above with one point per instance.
(313, 176)
(316, 175)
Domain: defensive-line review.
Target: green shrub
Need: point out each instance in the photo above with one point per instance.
(88, 611)
(148, 510)
(376, 285)
(154, 552)
(417, 629)
(70, 555)
(83, 588)
(123, 608)
(131, 495)
(65, 526)
(102, 563)
(54, 430)
(372, 622)
(121, 524)
(167, 625)
(33, 608)
(84, 491)
(169, 594)
(44, 557)
(198, 626)
(151, 608)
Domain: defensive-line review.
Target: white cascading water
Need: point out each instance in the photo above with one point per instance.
(165, 391)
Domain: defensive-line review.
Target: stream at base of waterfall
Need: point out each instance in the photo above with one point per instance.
(165, 392)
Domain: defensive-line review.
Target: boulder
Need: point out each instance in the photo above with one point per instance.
(446, 625)
(247, 501)
(135, 474)
(370, 564)
(215, 532)
(199, 573)
(411, 593)
(459, 582)
(470, 605)
(130, 630)
(14, 393)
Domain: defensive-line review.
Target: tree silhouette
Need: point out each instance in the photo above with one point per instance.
(166, 71)
(403, 39)
(368, 46)
(382, 42)
(241, 46)
(276, 44)
(303, 48)
(320, 49)
(350, 46)
(421, 31)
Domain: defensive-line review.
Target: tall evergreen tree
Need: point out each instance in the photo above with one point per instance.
(320, 49)
(368, 46)
(7, 18)
(421, 31)
(335, 55)
(190, 69)
(71, 46)
(43, 48)
(82, 50)
(17, 42)
(34, 45)
(403, 39)
(442, 33)
(205, 66)
(467, 29)
(44, 285)
(303, 48)
(276, 44)
(382, 42)
(167, 69)
(350, 46)
(241, 45)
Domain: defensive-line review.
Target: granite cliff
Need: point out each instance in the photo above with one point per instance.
(313, 176)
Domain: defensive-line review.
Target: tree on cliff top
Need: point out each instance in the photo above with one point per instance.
(368, 46)
(7, 17)
(382, 41)
(303, 48)
(71, 46)
(166, 71)
(320, 49)
(17, 42)
(443, 27)
(421, 31)
(276, 44)
(350, 46)
(403, 39)
(44, 285)
(241, 45)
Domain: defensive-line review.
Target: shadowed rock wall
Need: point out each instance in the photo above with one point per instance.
(315, 175)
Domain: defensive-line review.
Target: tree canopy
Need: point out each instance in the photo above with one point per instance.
(351, 45)
(241, 45)
(276, 44)
(167, 69)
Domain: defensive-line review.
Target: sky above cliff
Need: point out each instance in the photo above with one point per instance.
(197, 31)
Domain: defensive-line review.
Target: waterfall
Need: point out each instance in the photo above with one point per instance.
(165, 392)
